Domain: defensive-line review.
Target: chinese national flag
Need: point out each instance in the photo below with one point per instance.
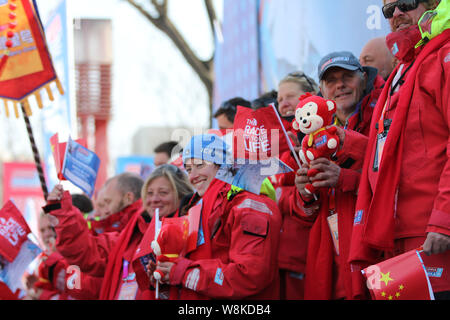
(14, 231)
(401, 278)
(258, 134)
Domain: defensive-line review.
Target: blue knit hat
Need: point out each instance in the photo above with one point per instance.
(208, 147)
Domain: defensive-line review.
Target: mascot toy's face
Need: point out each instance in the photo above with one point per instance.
(308, 119)
(313, 114)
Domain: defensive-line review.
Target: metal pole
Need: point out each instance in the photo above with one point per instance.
(37, 158)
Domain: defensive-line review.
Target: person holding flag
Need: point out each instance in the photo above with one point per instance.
(113, 256)
(235, 256)
(403, 201)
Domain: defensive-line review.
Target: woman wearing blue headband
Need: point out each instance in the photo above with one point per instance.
(236, 253)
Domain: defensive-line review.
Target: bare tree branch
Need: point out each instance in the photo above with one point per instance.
(203, 68)
(211, 13)
(161, 6)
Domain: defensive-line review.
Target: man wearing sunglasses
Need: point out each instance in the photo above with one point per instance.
(403, 200)
(403, 14)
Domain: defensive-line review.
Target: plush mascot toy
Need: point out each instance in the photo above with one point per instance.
(312, 116)
(170, 242)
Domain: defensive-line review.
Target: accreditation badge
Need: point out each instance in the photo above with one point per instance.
(381, 142)
(333, 224)
(128, 291)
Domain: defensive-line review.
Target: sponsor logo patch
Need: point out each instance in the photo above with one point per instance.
(358, 217)
(219, 277)
(435, 272)
(192, 279)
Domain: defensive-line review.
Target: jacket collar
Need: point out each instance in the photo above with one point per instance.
(402, 43)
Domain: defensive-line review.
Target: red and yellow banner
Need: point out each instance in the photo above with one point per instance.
(25, 63)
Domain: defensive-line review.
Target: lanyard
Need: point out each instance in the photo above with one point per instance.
(399, 82)
(332, 201)
(126, 272)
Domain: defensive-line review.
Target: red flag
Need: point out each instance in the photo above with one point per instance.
(59, 150)
(14, 231)
(258, 134)
(401, 278)
(26, 65)
(193, 218)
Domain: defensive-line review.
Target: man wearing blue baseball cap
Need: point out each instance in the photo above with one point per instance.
(356, 90)
(344, 80)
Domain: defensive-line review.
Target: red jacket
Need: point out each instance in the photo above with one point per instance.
(416, 158)
(52, 277)
(328, 274)
(238, 259)
(6, 293)
(114, 223)
(294, 234)
(75, 242)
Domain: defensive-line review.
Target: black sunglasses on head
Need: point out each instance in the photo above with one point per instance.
(402, 5)
(301, 75)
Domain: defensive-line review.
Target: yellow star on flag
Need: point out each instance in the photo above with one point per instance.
(401, 287)
(397, 294)
(391, 297)
(383, 294)
(386, 278)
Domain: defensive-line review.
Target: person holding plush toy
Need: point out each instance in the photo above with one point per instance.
(355, 90)
(312, 116)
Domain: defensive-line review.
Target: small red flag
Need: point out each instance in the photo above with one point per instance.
(401, 278)
(258, 134)
(14, 231)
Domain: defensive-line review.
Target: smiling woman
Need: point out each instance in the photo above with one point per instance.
(164, 189)
(235, 256)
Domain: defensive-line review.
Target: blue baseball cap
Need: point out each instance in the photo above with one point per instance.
(343, 59)
(208, 147)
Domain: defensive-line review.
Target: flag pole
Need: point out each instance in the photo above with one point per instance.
(35, 150)
(291, 147)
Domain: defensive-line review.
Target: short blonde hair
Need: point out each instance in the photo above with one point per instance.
(177, 178)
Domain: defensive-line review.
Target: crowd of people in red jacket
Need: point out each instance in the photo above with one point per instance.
(386, 190)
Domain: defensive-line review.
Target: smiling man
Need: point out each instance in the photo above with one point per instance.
(356, 90)
(344, 80)
(403, 201)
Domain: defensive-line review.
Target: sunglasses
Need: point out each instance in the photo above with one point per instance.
(171, 168)
(301, 75)
(402, 5)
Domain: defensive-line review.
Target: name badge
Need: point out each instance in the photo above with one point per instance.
(128, 291)
(333, 224)
(381, 141)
